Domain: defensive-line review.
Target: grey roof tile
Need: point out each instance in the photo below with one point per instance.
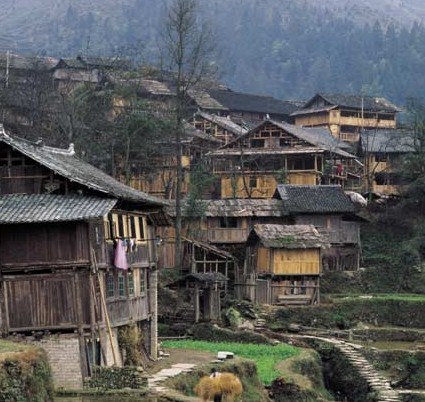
(66, 164)
(314, 199)
(253, 103)
(33, 208)
(387, 141)
(367, 103)
(223, 122)
(289, 236)
(237, 207)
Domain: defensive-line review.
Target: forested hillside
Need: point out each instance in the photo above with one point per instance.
(288, 49)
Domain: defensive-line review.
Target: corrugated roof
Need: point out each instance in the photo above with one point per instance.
(387, 141)
(289, 236)
(64, 163)
(314, 199)
(33, 208)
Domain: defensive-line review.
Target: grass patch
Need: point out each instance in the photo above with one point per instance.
(11, 347)
(266, 357)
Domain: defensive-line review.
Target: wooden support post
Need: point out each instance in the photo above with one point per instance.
(193, 259)
(226, 273)
(105, 309)
(197, 312)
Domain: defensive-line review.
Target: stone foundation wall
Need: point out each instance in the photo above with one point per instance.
(63, 354)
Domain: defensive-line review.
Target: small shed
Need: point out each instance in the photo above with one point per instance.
(285, 261)
(206, 296)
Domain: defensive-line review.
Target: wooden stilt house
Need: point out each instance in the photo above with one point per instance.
(332, 212)
(383, 152)
(77, 253)
(346, 115)
(283, 264)
(275, 152)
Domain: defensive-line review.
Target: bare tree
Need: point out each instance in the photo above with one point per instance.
(188, 47)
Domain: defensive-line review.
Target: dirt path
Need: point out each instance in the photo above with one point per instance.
(176, 356)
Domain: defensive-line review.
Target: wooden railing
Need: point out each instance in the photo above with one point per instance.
(121, 311)
(137, 258)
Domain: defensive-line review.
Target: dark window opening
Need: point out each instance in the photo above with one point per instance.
(141, 228)
(381, 157)
(120, 225)
(257, 143)
(228, 222)
(132, 226)
(385, 179)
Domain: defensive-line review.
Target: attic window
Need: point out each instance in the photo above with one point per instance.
(257, 143)
(285, 142)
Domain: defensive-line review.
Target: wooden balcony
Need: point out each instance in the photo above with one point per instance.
(122, 310)
(139, 257)
(358, 121)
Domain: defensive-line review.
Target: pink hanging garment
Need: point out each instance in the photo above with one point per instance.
(120, 257)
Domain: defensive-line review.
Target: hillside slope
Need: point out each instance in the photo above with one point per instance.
(288, 49)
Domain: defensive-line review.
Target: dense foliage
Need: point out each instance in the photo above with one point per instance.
(24, 374)
(289, 51)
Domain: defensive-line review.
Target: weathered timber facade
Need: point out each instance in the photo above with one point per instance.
(221, 128)
(63, 225)
(273, 153)
(331, 212)
(159, 178)
(383, 152)
(346, 115)
(283, 265)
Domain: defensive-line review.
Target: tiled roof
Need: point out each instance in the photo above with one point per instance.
(33, 208)
(319, 136)
(190, 133)
(367, 103)
(64, 163)
(314, 199)
(289, 236)
(316, 136)
(223, 122)
(238, 101)
(238, 207)
(15, 61)
(205, 101)
(387, 141)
